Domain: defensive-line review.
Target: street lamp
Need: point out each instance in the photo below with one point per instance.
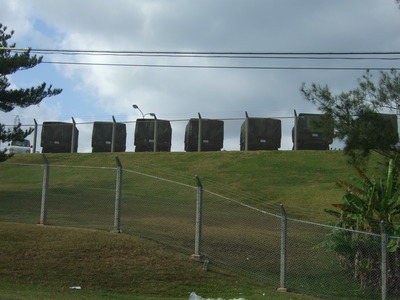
(155, 132)
(155, 125)
(137, 107)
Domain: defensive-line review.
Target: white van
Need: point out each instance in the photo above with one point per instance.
(19, 147)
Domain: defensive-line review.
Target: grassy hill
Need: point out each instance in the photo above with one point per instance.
(38, 262)
(304, 181)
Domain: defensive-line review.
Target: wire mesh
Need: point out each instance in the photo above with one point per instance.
(160, 209)
(20, 204)
(321, 260)
(317, 264)
(83, 197)
(240, 237)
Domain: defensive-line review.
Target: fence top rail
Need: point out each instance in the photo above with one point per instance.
(297, 220)
(243, 204)
(60, 166)
(171, 120)
(160, 178)
(340, 228)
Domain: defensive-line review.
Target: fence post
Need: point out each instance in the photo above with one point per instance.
(283, 287)
(45, 187)
(113, 135)
(246, 136)
(384, 242)
(199, 211)
(34, 136)
(199, 137)
(295, 131)
(73, 136)
(118, 195)
(155, 134)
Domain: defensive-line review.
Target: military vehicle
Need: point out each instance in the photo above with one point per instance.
(102, 137)
(212, 135)
(57, 137)
(392, 127)
(377, 131)
(310, 134)
(262, 134)
(144, 135)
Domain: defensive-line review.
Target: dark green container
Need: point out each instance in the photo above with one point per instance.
(311, 135)
(56, 137)
(212, 135)
(102, 137)
(391, 127)
(263, 134)
(377, 131)
(144, 135)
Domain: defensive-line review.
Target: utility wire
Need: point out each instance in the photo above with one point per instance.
(370, 55)
(220, 66)
(216, 52)
(236, 55)
(222, 54)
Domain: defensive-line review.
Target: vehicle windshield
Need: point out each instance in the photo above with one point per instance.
(24, 143)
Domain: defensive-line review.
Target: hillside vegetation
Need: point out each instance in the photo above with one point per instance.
(42, 262)
(304, 181)
(38, 262)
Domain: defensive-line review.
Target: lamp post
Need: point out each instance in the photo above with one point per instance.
(155, 132)
(155, 125)
(137, 107)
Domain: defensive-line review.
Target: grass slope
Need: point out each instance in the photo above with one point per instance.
(38, 262)
(304, 181)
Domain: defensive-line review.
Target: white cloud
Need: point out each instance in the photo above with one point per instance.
(181, 25)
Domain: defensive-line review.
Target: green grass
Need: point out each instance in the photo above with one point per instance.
(304, 181)
(39, 262)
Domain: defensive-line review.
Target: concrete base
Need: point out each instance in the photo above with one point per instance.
(283, 290)
(197, 257)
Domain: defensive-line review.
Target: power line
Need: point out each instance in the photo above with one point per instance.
(221, 66)
(347, 55)
(218, 54)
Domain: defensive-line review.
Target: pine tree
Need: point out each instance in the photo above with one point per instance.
(12, 61)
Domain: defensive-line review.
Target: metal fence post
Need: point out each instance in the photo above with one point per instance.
(384, 242)
(295, 146)
(199, 135)
(45, 187)
(113, 135)
(246, 136)
(73, 136)
(155, 134)
(118, 196)
(34, 137)
(199, 211)
(283, 287)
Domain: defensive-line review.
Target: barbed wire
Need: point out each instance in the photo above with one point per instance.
(150, 120)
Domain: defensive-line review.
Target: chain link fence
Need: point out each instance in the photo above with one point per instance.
(219, 228)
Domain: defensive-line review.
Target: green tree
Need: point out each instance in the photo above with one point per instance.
(366, 204)
(356, 113)
(12, 61)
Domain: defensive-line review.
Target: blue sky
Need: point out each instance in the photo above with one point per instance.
(96, 93)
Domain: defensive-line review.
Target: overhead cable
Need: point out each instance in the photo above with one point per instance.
(222, 54)
(220, 66)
